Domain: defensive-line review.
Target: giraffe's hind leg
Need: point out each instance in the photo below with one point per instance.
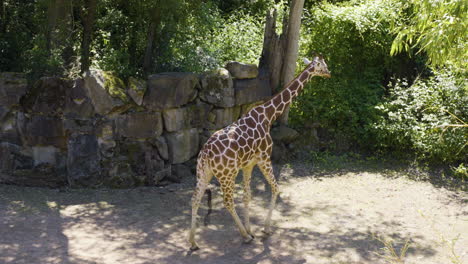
(228, 191)
(202, 184)
(267, 171)
(247, 173)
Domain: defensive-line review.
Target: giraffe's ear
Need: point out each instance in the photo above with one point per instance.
(307, 61)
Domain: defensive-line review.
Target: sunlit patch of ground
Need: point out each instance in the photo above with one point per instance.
(320, 218)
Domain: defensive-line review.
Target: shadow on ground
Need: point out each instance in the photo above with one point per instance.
(149, 225)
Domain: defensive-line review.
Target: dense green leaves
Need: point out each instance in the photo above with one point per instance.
(438, 28)
(131, 38)
(361, 107)
(425, 117)
(355, 40)
(357, 109)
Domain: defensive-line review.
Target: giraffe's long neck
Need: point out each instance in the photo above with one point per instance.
(276, 105)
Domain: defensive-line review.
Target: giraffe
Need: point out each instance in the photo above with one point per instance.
(242, 145)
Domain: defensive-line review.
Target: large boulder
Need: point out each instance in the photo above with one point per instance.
(8, 126)
(12, 87)
(284, 134)
(251, 90)
(48, 96)
(154, 166)
(41, 130)
(240, 70)
(159, 176)
(179, 171)
(120, 175)
(144, 162)
(170, 90)
(106, 138)
(77, 104)
(221, 117)
(176, 119)
(17, 167)
(199, 113)
(136, 89)
(48, 155)
(83, 160)
(83, 126)
(217, 88)
(106, 91)
(14, 157)
(139, 125)
(190, 116)
(183, 145)
(3, 112)
(161, 145)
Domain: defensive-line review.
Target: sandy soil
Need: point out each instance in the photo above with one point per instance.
(320, 218)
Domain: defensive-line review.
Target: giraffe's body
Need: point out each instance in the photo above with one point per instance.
(241, 146)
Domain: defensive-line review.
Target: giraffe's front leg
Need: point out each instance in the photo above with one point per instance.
(228, 192)
(267, 171)
(247, 173)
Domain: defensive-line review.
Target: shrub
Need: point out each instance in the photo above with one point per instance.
(355, 39)
(418, 117)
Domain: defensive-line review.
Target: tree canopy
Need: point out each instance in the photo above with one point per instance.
(437, 28)
(398, 67)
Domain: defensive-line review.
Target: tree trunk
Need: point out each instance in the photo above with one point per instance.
(132, 47)
(87, 18)
(152, 31)
(279, 54)
(51, 22)
(149, 49)
(3, 21)
(292, 48)
(273, 52)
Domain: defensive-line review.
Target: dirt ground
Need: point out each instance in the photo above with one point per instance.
(321, 217)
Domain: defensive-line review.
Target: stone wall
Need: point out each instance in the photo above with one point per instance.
(101, 131)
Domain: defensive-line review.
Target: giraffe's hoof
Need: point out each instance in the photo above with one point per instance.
(194, 248)
(249, 239)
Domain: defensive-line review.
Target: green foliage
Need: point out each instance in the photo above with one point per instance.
(355, 108)
(189, 49)
(356, 105)
(23, 42)
(418, 117)
(188, 35)
(122, 35)
(355, 39)
(439, 28)
(461, 171)
(193, 36)
(239, 38)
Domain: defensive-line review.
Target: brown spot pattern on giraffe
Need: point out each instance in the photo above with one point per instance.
(294, 85)
(303, 77)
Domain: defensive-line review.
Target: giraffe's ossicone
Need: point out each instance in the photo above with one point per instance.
(241, 146)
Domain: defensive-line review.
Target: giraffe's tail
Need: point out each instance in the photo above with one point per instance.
(207, 217)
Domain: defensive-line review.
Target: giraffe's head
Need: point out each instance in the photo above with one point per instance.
(318, 67)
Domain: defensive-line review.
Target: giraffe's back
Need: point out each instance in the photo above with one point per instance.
(235, 147)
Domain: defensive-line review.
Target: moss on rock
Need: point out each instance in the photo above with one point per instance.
(115, 86)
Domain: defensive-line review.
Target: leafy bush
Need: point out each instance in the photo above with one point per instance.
(417, 117)
(201, 41)
(438, 28)
(355, 39)
(239, 38)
